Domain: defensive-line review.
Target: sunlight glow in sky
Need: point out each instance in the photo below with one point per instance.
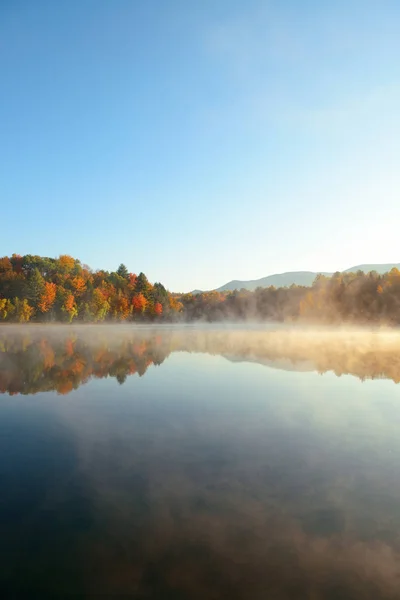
(201, 142)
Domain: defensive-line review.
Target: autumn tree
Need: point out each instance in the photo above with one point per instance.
(158, 309)
(7, 309)
(65, 263)
(69, 307)
(99, 305)
(139, 304)
(16, 261)
(78, 285)
(23, 310)
(48, 297)
(132, 280)
(5, 265)
(119, 306)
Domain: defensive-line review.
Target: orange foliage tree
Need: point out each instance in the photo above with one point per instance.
(79, 285)
(70, 307)
(66, 263)
(48, 297)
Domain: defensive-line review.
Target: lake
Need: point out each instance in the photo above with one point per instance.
(199, 463)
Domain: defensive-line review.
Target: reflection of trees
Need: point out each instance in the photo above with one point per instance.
(367, 355)
(48, 360)
(61, 359)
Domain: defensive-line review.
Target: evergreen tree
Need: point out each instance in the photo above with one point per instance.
(122, 271)
(36, 287)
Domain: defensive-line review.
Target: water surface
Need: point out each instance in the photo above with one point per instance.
(184, 463)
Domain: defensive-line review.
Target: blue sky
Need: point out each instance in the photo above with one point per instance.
(201, 141)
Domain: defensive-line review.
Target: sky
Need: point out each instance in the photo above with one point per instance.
(201, 141)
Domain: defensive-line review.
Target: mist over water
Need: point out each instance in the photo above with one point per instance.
(182, 462)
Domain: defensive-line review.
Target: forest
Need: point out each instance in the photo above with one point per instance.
(359, 298)
(35, 288)
(41, 289)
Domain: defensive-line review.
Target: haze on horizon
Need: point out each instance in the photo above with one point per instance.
(201, 142)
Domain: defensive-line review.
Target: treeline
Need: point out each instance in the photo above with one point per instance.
(35, 288)
(345, 297)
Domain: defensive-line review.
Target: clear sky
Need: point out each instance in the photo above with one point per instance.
(201, 141)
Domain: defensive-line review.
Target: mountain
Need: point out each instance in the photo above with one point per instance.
(278, 280)
(296, 277)
(381, 269)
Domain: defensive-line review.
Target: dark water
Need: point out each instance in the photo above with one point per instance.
(254, 464)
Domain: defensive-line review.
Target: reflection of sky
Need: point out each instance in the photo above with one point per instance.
(206, 474)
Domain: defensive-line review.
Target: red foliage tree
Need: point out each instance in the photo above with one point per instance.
(139, 303)
(158, 309)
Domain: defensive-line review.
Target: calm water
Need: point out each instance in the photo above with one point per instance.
(186, 464)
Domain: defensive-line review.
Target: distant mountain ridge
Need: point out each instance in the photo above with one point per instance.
(278, 280)
(381, 268)
(296, 277)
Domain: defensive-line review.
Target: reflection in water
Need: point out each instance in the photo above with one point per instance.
(208, 478)
(62, 358)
